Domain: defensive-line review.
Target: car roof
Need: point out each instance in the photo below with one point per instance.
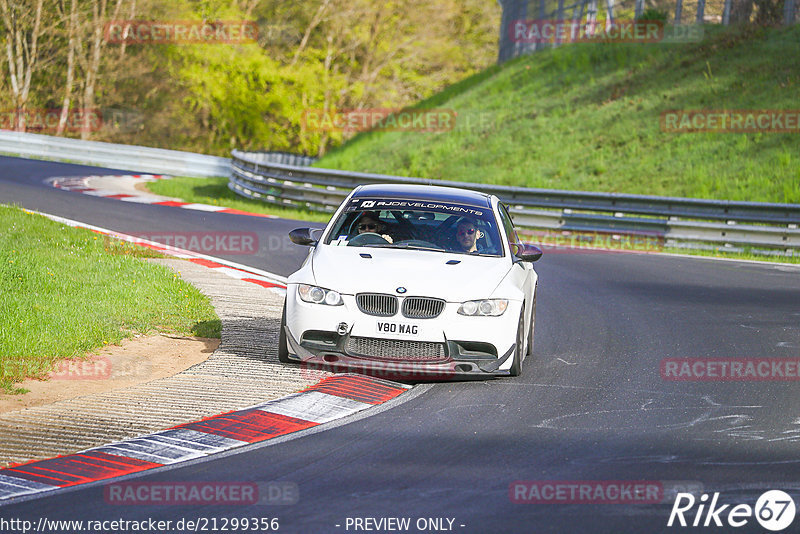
(432, 193)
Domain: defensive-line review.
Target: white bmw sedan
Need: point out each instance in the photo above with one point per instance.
(413, 282)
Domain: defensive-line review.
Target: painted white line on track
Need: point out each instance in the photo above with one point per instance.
(19, 486)
(123, 187)
(230, 268)
(314, 406)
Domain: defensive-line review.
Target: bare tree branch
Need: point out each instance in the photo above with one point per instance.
(22, 52)
(315, 21)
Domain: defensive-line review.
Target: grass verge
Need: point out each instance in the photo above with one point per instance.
(745, 254)
(67, 291)
(215, 191)
(586, 117)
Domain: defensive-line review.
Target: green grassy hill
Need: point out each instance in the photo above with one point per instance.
(586, 117)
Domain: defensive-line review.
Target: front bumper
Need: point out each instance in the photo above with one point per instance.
(335, 357)
(315, 337)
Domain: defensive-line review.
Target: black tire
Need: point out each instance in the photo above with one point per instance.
(516, 365)
(533, 326)
(283, 347)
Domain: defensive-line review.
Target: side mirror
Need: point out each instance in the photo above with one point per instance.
(526, 252)
(302, 236)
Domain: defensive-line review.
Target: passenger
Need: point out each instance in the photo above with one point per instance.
(368, 222)
(467, 235)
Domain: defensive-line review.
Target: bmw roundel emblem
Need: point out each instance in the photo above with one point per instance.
(401, 290)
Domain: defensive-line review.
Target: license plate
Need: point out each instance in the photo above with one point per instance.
(392, 328)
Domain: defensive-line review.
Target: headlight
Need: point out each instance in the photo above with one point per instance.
(490, 307)
(318, 295)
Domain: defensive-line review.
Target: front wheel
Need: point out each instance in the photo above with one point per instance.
(516, 365)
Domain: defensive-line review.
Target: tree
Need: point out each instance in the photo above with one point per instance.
(72, 44)
(387, 54)
(90, 60)
(769, 12)
(741, 11)
(311, 55)
(23, 28)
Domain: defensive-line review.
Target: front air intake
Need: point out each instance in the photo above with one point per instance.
(396, 349)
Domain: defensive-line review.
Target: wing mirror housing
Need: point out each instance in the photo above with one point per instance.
(526, 252)
(304, 236)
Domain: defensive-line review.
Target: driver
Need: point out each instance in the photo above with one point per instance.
(368, 222)
(467, 235)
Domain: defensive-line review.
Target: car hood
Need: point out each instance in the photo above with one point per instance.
(422, 273)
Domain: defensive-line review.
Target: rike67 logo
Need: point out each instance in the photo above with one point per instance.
(774, 510)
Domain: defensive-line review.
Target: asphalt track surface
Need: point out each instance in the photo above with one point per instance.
(591, 405)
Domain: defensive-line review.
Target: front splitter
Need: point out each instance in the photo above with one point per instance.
(402, 370)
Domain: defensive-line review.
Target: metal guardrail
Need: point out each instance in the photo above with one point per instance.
(676, 221)
(284, 158)
(128, 157)
(287, 180)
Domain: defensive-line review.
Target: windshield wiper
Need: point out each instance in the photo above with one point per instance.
(433, 249)
(419, 247)
(409, 246)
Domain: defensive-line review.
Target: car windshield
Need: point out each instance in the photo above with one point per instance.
(418, 225)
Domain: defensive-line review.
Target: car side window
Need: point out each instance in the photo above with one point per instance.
(508, 226)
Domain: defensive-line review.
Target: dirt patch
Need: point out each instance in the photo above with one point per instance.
(135, 361)
(142, 188)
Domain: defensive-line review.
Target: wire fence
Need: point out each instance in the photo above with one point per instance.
(530, 25)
